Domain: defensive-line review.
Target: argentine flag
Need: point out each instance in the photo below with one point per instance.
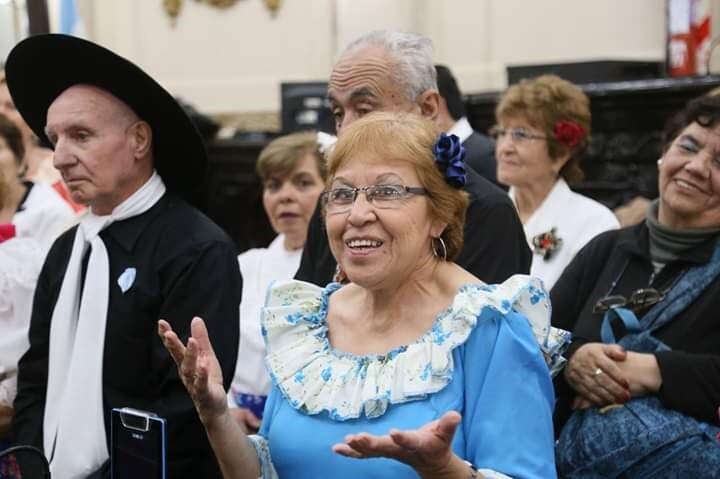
(70, 21)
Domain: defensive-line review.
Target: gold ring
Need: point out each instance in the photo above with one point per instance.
(598, 372)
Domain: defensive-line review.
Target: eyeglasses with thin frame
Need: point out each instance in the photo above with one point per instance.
(517, 135)
(341, 199)
(642, 298)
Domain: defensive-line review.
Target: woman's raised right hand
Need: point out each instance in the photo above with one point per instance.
(198, 368)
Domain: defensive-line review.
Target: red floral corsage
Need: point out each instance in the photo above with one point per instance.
(546, 244)
(569, 133)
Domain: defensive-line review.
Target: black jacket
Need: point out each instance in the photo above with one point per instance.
(480, 155)
(186, 266)
(691, 371)
(495, 247)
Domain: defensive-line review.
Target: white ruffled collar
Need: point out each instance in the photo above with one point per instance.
(315, 377)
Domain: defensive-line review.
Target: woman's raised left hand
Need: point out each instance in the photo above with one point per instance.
(428, 450)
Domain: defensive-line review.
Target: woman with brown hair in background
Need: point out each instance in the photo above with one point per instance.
(292, 171)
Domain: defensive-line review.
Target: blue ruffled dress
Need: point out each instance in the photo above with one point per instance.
(482, 358)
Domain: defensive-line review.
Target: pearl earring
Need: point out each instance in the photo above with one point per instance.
(659, 162)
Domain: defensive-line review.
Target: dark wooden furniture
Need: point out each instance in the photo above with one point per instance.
(232, 194)
(627, 122)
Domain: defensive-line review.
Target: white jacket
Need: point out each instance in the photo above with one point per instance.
(576, 218)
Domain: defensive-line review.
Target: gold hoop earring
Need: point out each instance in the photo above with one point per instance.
(435, 249)
(340, 276)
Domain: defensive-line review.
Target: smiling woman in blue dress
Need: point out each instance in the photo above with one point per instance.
(415, 363)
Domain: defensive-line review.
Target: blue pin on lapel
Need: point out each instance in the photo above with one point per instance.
(126, 279)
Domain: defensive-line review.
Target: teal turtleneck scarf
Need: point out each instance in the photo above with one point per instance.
(667, 244)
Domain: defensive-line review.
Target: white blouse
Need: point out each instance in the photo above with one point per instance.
(576, 220)
(260, 268)
(44, 215)
(20, 263)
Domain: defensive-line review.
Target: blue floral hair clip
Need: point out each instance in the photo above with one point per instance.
(450, 159)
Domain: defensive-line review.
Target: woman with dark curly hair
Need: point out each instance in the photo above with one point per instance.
(642, 383)
(543, 130)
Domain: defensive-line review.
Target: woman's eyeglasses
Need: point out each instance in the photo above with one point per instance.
(642, 298)
(340, 200)
(517, 135)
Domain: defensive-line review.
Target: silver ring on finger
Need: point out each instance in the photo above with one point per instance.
(598, 372)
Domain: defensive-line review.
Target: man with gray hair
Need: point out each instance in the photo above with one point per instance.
(393, 71)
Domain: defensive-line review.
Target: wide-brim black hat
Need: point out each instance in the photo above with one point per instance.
(40, 68)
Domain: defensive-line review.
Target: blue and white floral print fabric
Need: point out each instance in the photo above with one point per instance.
(314, 377)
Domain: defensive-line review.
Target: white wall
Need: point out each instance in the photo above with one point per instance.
(480, 38)
(233, 60)
(221, 60)
(13, 25)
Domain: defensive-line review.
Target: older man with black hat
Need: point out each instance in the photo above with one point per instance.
(125, 149)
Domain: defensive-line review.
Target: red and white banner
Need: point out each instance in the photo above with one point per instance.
(701, 26)
(689, 36)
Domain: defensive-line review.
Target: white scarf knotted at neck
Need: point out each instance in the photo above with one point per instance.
(74, 423)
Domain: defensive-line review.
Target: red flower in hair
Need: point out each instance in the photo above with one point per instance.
(568, 133)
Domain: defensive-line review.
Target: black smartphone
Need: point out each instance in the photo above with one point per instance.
(138, 444)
